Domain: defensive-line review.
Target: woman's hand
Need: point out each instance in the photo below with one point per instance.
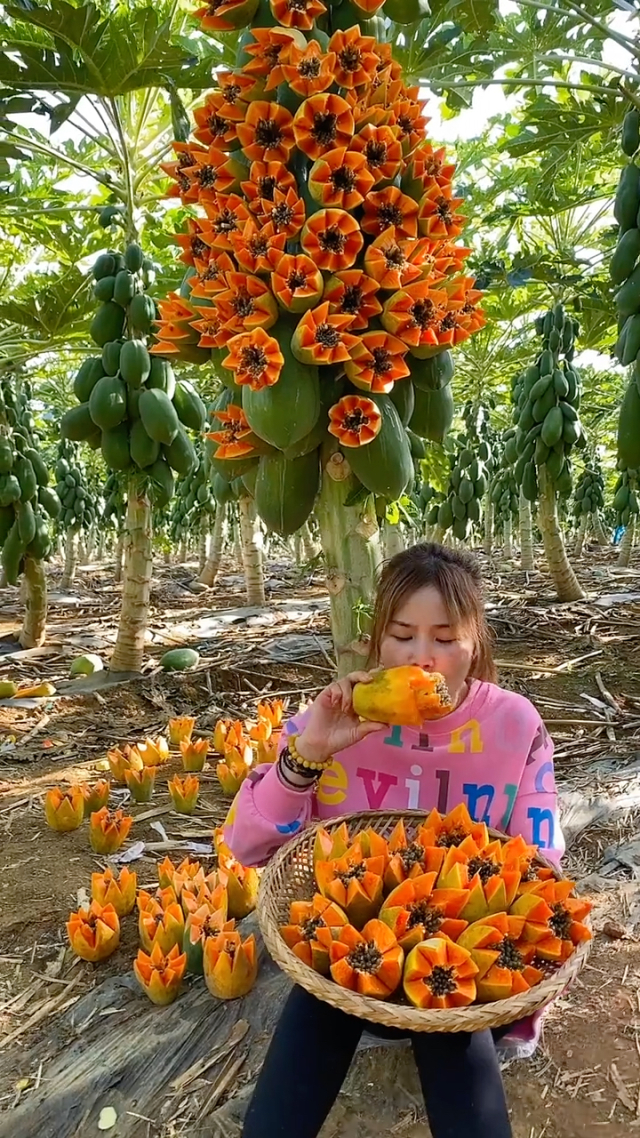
(332, 724)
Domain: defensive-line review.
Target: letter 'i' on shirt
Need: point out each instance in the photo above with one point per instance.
(493, 753)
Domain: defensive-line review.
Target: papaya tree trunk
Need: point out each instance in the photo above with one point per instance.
(182, 552)
(298, 556)
(438, 534)
(488, 523)
(100, 552)
(310, 547)
(507, 540)
(119, 554)
(167, 556)
(34, 622)
(212, 564)
(134, 614)
(82, 550)
(598, 530)
(251, 540)
(70, 558)
(582, 533)
(564, 579)
(351, 544)
(626, 545)
(237, 543)
(525, 525)
(203, 543)
(392, 540)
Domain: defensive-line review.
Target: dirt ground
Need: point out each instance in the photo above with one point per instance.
(577, 663)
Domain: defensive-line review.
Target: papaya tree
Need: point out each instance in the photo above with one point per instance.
(588, 500)
(117, 87)
(324, 246)
(626, 275)
(27, 505)
(79, 508)
(548, 427)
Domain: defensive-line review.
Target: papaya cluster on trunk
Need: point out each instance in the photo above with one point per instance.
(130, 405)
(546, 398)
(452, 915)
(505, 493)
(468, 479)
(625, 273)
(324, 281)
(194, 501)
(588, 496)
(27, 503)
(79, 504)
(625, 497)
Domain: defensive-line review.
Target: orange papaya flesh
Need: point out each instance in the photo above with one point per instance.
(368, 962)
(453, 828)
(406, 696)
(439, 974)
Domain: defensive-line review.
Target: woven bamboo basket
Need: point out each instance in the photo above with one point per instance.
(289, 877)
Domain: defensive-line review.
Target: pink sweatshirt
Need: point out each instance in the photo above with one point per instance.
(493, 753)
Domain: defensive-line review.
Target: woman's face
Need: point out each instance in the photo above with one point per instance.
(420, 633)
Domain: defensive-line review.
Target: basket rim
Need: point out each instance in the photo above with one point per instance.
(475, 1017)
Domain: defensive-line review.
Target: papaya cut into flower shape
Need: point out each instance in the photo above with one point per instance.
(453, 871)
(204, 922)
(160, 975)
(94, 933)
(503, 959)
(368, 962)
(451, 829)
(416, 911)
(164, 927)
(330, 845)
(241, 883)
(493, 895)
(557, 931)
(193, 897)
(230, 965)
(407, 696)
(370, 843)
(313, 926)
(440, 974)
(354, 420)
(410, 859)
(354, 882)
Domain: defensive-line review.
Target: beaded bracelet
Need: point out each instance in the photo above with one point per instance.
(299, 761)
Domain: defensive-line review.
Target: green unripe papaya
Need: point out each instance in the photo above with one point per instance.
(108, 402)
(135, 363)
(159, 416)
(124, 288)
(133, 257)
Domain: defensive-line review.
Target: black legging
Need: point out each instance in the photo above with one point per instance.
(310, 1054)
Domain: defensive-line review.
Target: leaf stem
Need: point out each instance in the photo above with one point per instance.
(40, 148)
(126, 165)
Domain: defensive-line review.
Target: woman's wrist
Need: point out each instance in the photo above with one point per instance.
(309, 751)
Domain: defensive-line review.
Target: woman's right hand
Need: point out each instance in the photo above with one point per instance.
(331, 723)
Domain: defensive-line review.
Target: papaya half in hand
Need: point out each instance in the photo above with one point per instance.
(406, 696)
